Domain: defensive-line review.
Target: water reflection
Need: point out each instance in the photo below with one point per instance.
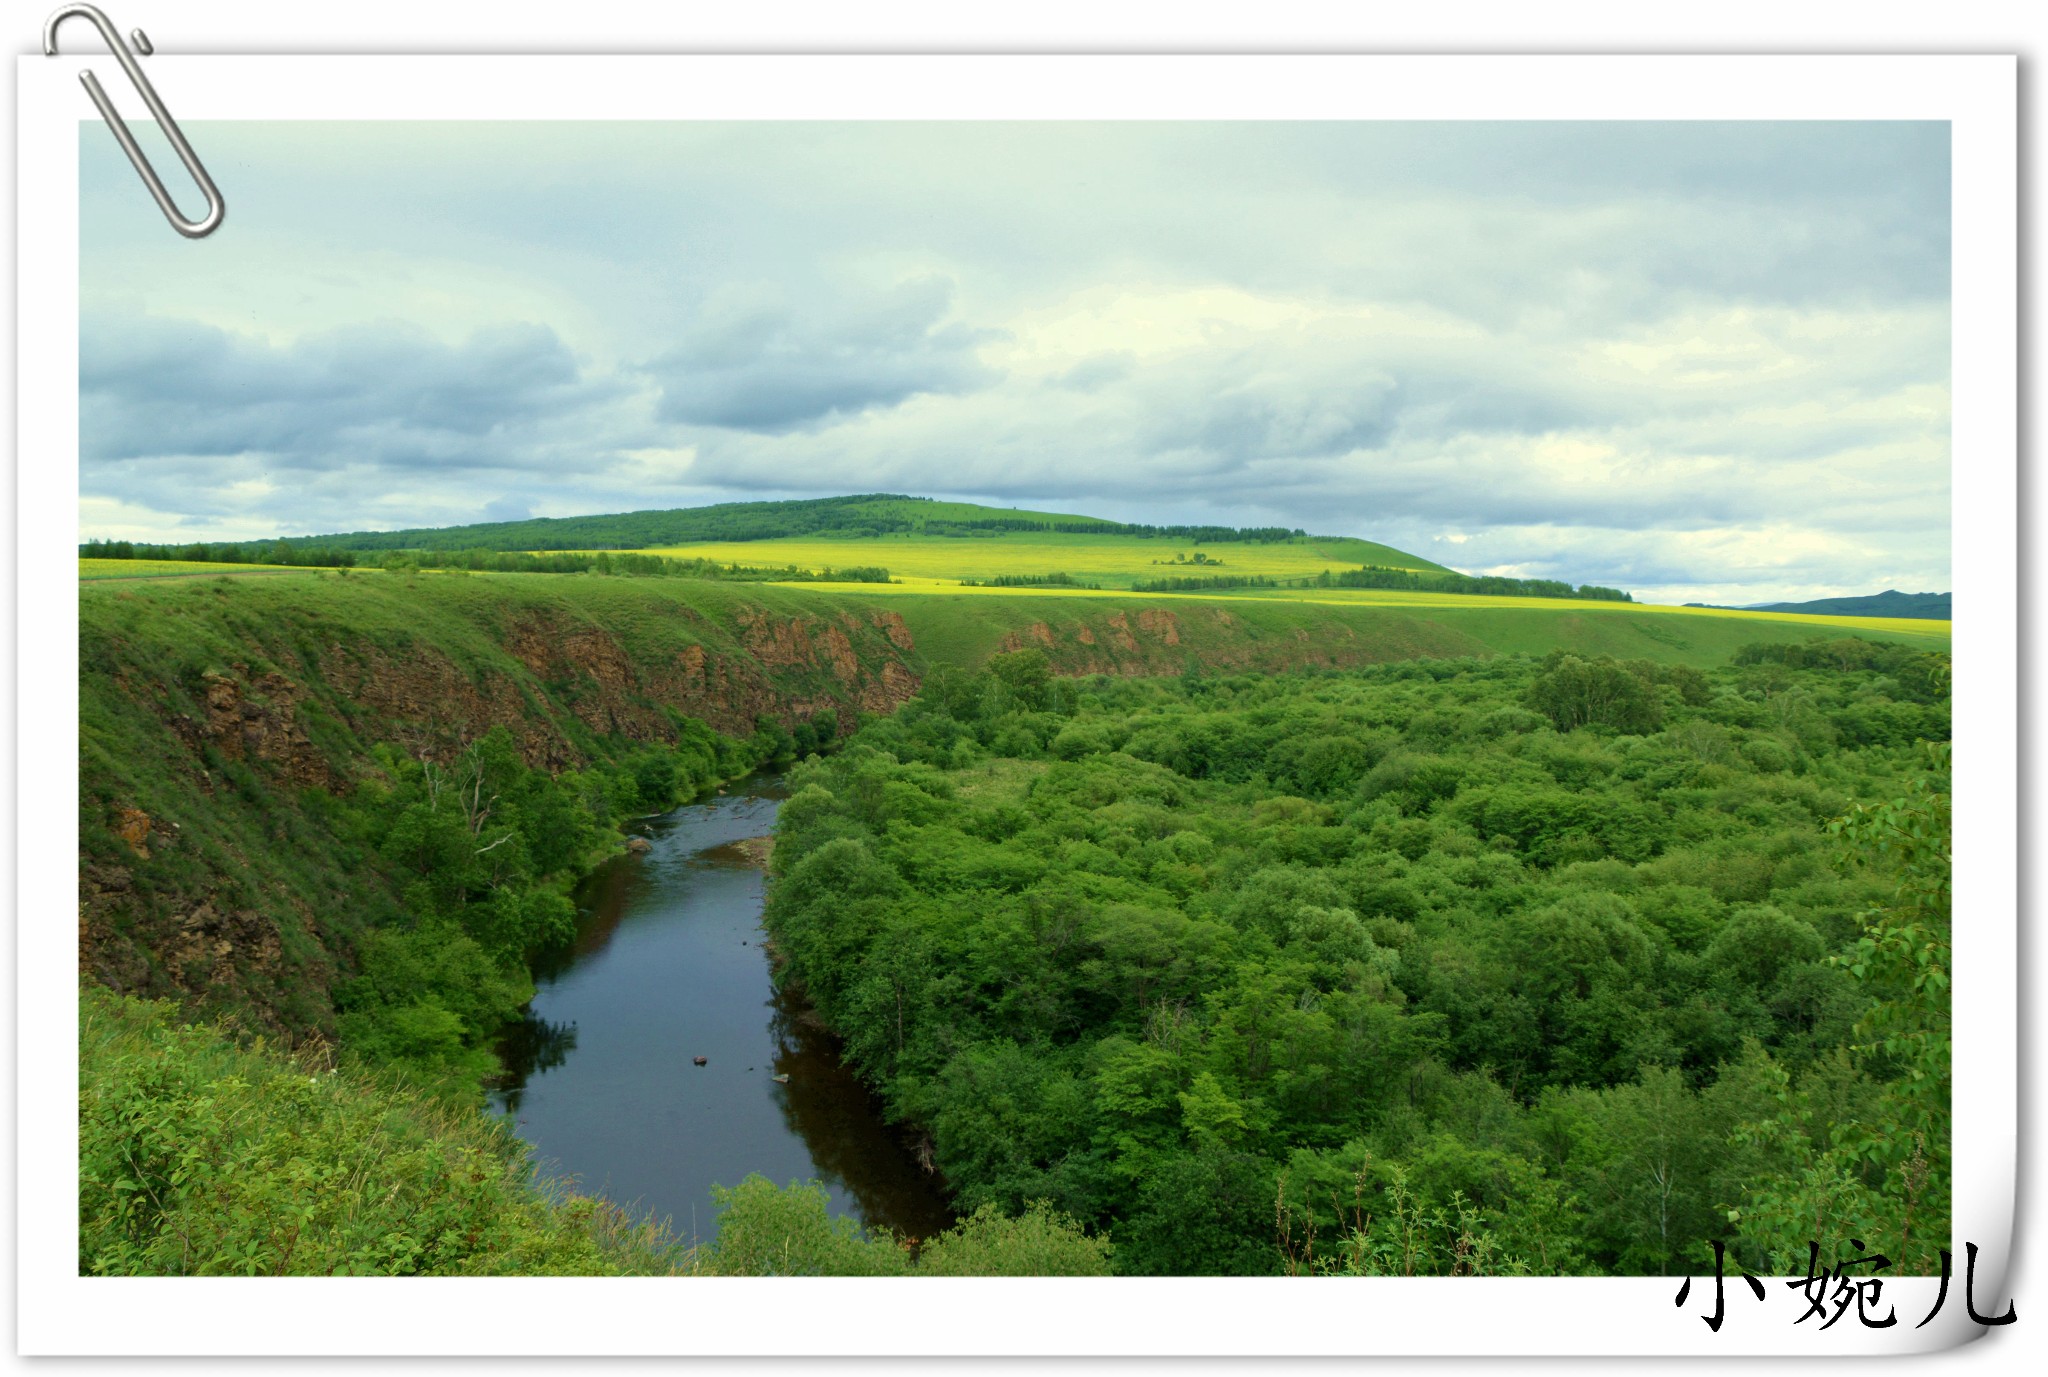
(842, 1121)
(668, 966)
(528, 1048)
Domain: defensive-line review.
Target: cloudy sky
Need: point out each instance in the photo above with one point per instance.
(1699, 361)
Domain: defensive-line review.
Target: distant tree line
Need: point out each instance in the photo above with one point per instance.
(1263, 535)
(1493, 585)
(623, 563)
(1259, 535)
(1199, 583)
(247, 552)
(1372, 576)
(1058, 580)
(620, 563)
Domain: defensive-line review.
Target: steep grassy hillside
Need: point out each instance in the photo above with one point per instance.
(223, 719)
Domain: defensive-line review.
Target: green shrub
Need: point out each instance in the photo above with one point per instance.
(201, 1158)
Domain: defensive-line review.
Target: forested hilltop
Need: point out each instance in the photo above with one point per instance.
(852, 517)
(1558, 966)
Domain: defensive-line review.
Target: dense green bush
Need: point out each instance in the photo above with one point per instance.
(1486, 966)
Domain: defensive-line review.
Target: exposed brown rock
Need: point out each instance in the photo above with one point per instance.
(1160, 622)
(691, 665)
(131, 825)
(898, 686)
(257, 719)
(893, 627)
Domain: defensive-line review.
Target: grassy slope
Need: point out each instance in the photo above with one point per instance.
(94, 569)
(201, 1157)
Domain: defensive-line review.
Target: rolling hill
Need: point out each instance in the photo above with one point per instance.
(851, 518)
(1891, 603)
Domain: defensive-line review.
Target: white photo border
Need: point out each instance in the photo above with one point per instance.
(61, 1313)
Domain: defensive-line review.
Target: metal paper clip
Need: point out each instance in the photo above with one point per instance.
(216, 208)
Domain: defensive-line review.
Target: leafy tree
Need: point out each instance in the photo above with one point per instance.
(1575, 693)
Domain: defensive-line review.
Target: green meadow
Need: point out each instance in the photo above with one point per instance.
(95, 569)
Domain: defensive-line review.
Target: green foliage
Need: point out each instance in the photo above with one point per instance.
(1489, 585)
(1886, 1173)
(1041, 1242)
(1576, 693)
(770, 1231)
(199, 1158)
(766, 1231)
(1376, 971)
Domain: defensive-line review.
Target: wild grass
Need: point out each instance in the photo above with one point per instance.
(95, 569)
(201, 1157)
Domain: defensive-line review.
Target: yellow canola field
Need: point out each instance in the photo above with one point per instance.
(1109, 561)
(1386, 597)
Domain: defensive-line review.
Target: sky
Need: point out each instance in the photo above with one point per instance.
(1701, 361)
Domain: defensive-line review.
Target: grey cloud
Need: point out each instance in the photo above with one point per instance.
(1098, 371)
(151, 387)
(1277, 415)
(753, 361)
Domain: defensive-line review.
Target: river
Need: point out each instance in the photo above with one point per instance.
(668, 966)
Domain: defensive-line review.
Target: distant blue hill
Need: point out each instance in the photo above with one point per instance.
(1890, 603)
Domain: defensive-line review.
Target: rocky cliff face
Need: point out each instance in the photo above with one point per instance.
(233, 744)
(1163, 640)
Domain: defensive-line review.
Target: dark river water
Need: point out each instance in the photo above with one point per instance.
(668, 966)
